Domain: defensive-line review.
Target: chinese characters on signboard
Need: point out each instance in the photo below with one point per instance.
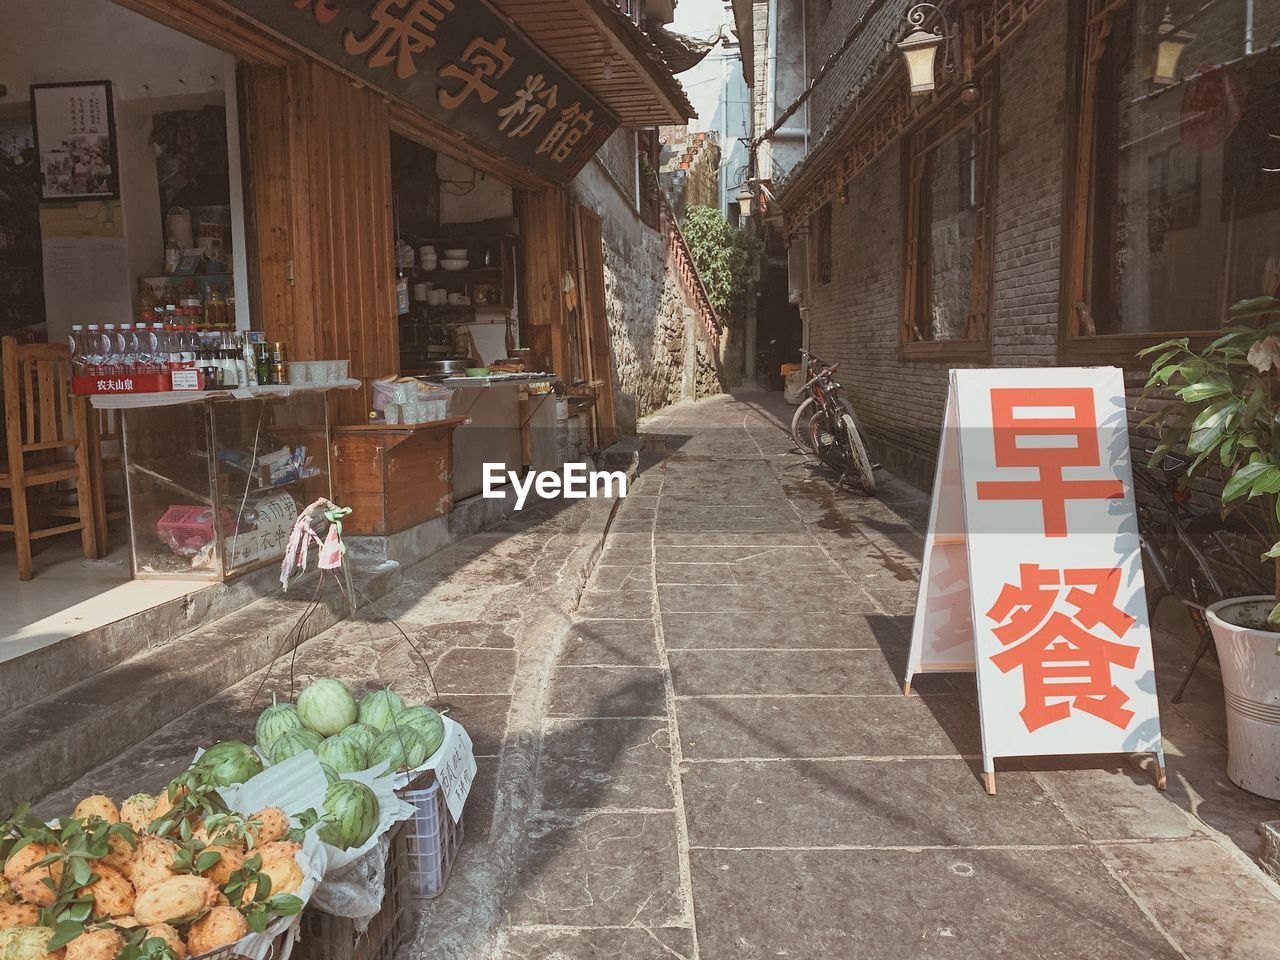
(459, 62)
(75, 140)
(1034, 492)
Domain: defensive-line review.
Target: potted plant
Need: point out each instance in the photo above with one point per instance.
(1225, 413)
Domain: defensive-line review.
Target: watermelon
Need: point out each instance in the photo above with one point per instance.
(292, 744)
(350, 814)
(230, 762)
(274, 722)
(427, 722)
(326, 706)
(403, 746)
(362, 734)
(379, 708)
(343, 754)
(330, 774)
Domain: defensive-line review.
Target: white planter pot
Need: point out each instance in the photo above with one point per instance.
(1251, 684)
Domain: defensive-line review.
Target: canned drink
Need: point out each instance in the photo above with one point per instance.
(279, 374)
(278, 353)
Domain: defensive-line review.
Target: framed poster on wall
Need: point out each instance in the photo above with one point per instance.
(75, 139)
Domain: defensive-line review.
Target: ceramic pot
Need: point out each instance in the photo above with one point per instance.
(1251, 685)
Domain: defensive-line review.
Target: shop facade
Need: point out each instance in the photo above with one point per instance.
(389, 184)
(1082, 180)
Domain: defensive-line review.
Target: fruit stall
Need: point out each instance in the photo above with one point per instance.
(308, 837)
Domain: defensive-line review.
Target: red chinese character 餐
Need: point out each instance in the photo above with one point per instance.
(1051, 488)
(1065, 664)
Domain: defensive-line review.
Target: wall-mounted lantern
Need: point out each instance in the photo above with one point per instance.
(1170, 42)
(745, 196)
(920, 47)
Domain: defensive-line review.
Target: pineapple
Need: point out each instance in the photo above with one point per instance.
(101, 943)
(19, 915)
(181, 899)
(28, 879)
(220, 926)
(112, 894)
(136, 811)
(96, 806)
(152, 862)
(170, 936)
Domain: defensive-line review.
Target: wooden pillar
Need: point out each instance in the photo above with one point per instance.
(320, 183)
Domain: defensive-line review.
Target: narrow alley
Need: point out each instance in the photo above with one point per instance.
(728, 767)
(692, 742)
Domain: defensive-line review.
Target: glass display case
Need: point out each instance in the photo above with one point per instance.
(214, 485)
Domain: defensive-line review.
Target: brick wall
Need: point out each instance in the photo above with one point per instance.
(825, 36)
(854, 318)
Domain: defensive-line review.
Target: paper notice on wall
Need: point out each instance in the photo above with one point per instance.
(86, 280)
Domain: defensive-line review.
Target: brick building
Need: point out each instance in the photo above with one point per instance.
(1092, 177)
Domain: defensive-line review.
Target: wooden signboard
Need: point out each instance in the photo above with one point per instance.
(1033, 529)
(458, 61)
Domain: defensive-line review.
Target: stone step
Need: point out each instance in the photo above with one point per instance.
(51, 742)
(44, 672)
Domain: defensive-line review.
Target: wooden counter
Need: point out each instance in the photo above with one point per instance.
(393, 476)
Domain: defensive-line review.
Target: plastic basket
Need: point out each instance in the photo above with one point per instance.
(434, 838)
(326, 937)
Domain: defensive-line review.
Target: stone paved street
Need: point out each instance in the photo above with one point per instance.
(701, 750)
(727, 767)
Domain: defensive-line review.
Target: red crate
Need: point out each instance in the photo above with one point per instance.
(84, 384)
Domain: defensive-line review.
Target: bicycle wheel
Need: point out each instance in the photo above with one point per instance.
(856, 454)
(800, 422)
(825, 442)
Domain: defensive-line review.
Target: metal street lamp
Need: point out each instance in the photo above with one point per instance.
(745, 196)
(1169, 46)
(920, 47)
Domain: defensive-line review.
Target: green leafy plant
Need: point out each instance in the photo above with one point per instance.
(724, 256)
(648, 175)
(195, 797)
(1225, 412)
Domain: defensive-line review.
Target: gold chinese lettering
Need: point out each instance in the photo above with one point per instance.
(566, 132)
(531, 104)
(401, 30)
(483, 60)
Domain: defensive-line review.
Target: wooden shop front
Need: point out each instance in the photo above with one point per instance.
(328, 92)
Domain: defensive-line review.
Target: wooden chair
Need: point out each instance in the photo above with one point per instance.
(42, 418)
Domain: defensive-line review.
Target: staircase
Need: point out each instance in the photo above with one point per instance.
(680, 263)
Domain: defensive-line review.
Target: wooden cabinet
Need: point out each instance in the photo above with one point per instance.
(393, 477)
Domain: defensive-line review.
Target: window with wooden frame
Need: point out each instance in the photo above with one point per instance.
(822, 244)
(1173, 215)
(949, 167)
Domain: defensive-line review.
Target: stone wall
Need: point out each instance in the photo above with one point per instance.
(658, 356)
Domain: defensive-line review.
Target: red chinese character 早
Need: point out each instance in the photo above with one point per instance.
(1017, 444)
(1065, 664)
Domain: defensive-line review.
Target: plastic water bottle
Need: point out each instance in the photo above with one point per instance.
(129, 349)
(93, 350)
(111, 350)
(76, 344)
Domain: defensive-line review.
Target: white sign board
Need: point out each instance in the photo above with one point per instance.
(1058, 616)
(942, 632)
